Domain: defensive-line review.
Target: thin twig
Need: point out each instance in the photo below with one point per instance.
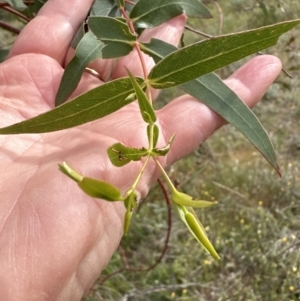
(198, 32)
(9, 27)
(221, 16)
(25, 2)
(162, 288)
(283, 70)
(229, 189)
(15, 12)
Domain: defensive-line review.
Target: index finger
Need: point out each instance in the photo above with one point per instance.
(53, 29)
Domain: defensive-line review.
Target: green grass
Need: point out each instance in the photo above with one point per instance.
(255, 226)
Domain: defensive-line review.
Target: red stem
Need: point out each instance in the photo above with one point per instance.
(9, 27)
(15, 12)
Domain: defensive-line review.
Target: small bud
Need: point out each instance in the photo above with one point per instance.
(100, 189)
(199, 233)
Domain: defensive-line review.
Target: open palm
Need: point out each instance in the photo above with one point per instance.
(54, 240)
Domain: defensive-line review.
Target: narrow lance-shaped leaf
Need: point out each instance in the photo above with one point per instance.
(87, 50)
(153, 13)
(144, 103)
(115, 33)
(121, 155)
(203, 57)
(212, 91)
(89, 106)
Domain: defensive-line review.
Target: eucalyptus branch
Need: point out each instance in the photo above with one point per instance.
(25, 2)
(139, 52)
(201, 33)
(9, 27)
(15, 12)
(221, 16)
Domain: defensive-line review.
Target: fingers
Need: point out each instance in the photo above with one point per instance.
(52, 31)
(193, 122)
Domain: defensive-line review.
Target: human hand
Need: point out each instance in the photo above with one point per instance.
(55, 240)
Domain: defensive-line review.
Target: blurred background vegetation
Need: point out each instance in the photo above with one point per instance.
(256, 225)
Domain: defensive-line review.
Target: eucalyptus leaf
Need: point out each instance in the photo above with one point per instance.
(121, 155)
(87, 50)
(3, 54)
(144, 103)
(102, 7)
(115, 50)
(17, 4)
(157, 49)
(203, 57)
(147, 13)
(89, 106)
(115, 33)
(212, 91)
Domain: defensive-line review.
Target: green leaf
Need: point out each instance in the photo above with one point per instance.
(78, 36)
(203, 57)
(164, 150)
(144, 103)
(212, 91)
(115, 33)
(87, 50)
(3, 54)
(102, 7)
(17, 4)
(89, 106)
(100, 189)
(184, 199)
(157, 49)
(121, 155)
(147, 13)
